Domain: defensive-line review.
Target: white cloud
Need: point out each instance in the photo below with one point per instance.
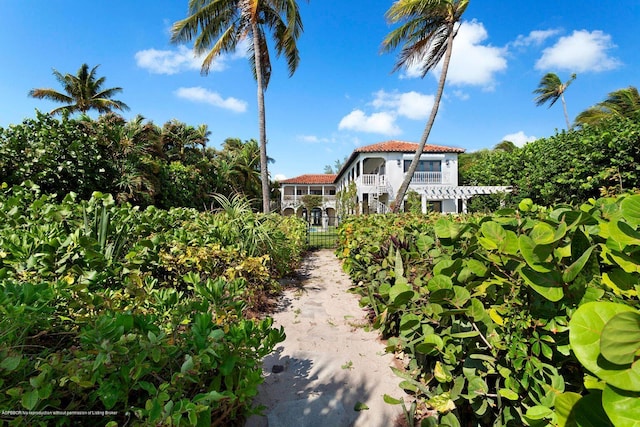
(535, 38)
(582, 51)
(184, 59)
(312, 139)
(199, 94)
(519, 138)
(412, 105)
(472, 63)
(463, 96)
(171, 61)
(381, 123)
(279, 177)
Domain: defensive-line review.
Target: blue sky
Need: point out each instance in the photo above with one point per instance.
(343, 94)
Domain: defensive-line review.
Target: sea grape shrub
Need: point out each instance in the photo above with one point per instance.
(99, 314)
(480, 305)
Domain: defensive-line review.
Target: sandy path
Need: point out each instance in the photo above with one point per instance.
(328, 363)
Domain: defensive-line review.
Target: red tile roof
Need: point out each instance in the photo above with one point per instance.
(311, 179)
(405, 147)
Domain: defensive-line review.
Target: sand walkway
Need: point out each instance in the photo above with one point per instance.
(329, 364)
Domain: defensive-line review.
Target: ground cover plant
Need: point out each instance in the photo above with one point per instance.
(522, 317)
(149, 314)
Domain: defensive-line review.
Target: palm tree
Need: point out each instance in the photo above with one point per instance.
(82, 92)
(426, 34)
(551, 89)
(620, 103)
(219, 25)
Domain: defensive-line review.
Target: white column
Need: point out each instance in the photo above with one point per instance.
(423, 203)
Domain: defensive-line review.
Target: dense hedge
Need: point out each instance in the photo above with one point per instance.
(570, 167)
(136, 161)
(500, 318)
(146, 314)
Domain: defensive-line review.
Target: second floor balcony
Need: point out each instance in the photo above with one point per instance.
(427, 178)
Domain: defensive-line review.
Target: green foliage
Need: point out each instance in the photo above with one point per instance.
(137, 162)
(570, 167)
(146, 313)
(491, 309)
(346, 199)
(311, 201)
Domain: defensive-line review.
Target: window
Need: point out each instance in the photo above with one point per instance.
(425, 166)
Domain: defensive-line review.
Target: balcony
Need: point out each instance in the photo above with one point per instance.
(291, 197)
(295, 201)
(373, 180)
(427, 178)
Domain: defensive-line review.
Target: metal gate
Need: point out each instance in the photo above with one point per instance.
(322, 236)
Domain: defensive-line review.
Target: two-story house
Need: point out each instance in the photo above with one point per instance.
(374, 173)
(294, 190)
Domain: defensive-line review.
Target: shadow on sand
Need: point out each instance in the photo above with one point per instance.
(312, 393)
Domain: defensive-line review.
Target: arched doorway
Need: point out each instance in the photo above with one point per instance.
(316, 217)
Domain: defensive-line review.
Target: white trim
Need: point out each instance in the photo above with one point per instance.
(461, 192)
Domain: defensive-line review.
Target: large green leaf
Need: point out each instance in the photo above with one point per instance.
(446, 229)
(630, 208)
(543, 234)
(620, 340)
(588, 411)
(448, 267)
(623, 233)
(585, 331)
(564, 405)
(461, 296)
(495, 237)
(493, 234)
(622, 407)
(574, 269)
(619, 280)
(535, 255)
(549, 284)
(400, 294)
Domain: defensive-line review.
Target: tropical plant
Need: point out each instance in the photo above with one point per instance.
(426, 34)
(550, 89)
(621, 103)
(220, 25)
(82, 92)
(150, 313)
(569, 167)
(521, 317)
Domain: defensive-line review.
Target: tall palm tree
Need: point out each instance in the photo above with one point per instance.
(619, 103)
(82, 92)
(550, 89)
(217, 26)
(426, 32)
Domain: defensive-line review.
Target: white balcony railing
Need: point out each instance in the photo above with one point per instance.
(373, 180)
(427, 178)
(298, 197)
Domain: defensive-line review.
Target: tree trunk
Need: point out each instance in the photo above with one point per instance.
(566, 115)
(427, 130)
(264, 172)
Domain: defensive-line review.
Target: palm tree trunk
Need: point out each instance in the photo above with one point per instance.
(264, 172)
(427, 130)
(566, 115)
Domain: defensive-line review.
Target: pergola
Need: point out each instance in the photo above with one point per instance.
(439, 192)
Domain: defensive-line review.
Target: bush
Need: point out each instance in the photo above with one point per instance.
(484, 306)
(143, 313)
